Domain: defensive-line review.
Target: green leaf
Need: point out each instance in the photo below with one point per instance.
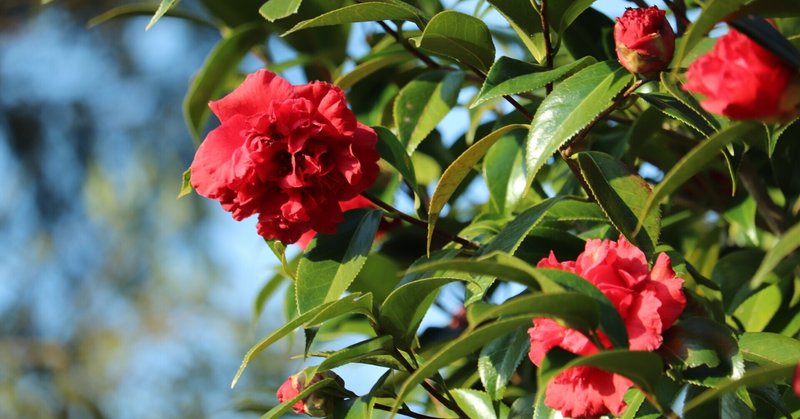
(562, 13)
(590, 35)
(757, 311)
(186, 183)
(362, 12)
(163, 7)
(524, 19)
(713, 12)
(576, 209)
(641, 367)
(223, 61)
(457, 171)
(672, 85)
(331, 262)
(700, 351)
(693, 162)
(622, 195)
(143, 9)
(284, 407)
(755, 378)
(678, 110)
(509, 76)
(352, 354)
(369, 67)
(522, 408)
(353, 303)
(769, 348)
(573, 105)
(499, 359)
(788, 243)
(572, 309)
(476, 404)
(423, 102)
(461, 37)
(279, 250)
(504, 172)
(734, 270)
(456, 350)
(402, 312)
(273, 10)
(393, 152)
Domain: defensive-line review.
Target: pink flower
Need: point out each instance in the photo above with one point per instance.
(290, 389)
(644, 40)
(317, 404)
(742, 80)
(287, 153)
(648, 300)
(796, 381)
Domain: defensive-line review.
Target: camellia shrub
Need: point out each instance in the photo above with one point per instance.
(614, 200)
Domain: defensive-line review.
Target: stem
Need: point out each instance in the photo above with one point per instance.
(419, 223)
(404, 411)
(639, 3)
(770, 212)
(548, 45)
(429, 388)
(678, 8)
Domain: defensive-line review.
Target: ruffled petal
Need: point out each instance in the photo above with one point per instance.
(255, 95)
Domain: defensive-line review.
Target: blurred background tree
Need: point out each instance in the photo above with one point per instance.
(116, 299)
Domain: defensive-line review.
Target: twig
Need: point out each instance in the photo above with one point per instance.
(678, 8)
(429, 388)
(548, 45)
(404, 411)
(417, 222)
(639, 3)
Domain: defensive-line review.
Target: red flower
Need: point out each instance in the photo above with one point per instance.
(288, 153)
(644, 40)
(290, 389)
(796, 381)
(648, 300)
(742, 80)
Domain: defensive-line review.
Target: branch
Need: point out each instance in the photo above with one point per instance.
(678, 8)
(548, 45)
(429, 388)
(404, 411)
(770, 212)
(419, 223)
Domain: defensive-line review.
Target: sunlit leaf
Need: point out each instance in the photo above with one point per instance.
(362, 12)
(459, 36)
(273, 10)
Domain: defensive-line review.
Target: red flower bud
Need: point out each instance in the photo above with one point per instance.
(316, 404)
(742, 80)
(796, 381)
(644, 41)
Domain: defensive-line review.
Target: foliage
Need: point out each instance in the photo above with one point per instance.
(606, 153)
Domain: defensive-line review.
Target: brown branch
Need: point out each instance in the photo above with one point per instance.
(452, 405)
(678, 8)
(419, 223)
(404, 411)
(639, 3)
(548, 45)
(766, 208)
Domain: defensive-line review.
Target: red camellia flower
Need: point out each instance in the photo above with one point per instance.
(742, 80)
(644, 40)
(648, 300)
(288, 153)
(290, 389)
(796, 381)
(316, 404)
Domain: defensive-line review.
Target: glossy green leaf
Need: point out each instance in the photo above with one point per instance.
(732, 271)
(591, 34)
(572, 309)
(754, 378)
(622, 194)
(788, 243)
(362, 12)
(499, 359)
(353, 303)
(572, 106)
(641, 367)
(143, 9)
(359, 408)
(713, 12)
(456, 350)
(331, 262)
(676, 109)
(223, 61)
(509, 76)
(476, 404)
(283, 408)
(393, 152)
(504, 172)
(459, 36)
(757, 311)
(769, 348)
(352, 354)
(524, 19)
(693, 162)
(701, 351)
(562, 13)
(370, 67)
(186, 183)
(497, 265)
(522, 408)
(163, 7)
(576, 209)
(273, 10)
(402, 312)
(458, 170)
(423, 102)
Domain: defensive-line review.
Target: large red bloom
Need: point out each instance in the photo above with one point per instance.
(289, 153)
(644, 40)
(648, 300)
(742, 80)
